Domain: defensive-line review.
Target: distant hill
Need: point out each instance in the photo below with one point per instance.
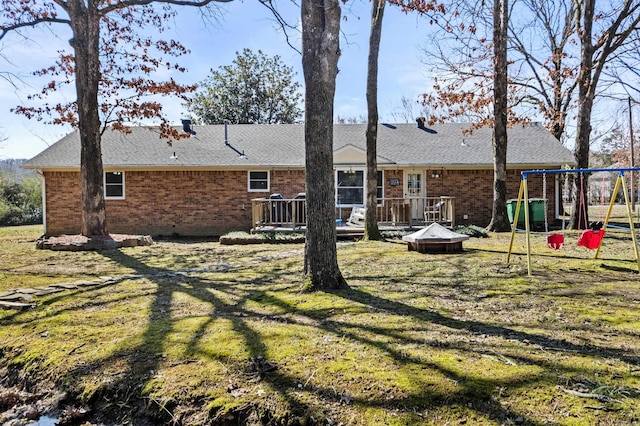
(10, 169)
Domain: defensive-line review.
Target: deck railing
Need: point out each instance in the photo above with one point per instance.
(397, 212)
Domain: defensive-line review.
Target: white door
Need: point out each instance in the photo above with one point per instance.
(414, 193)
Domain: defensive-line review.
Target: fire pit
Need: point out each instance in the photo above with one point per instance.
(435, 238)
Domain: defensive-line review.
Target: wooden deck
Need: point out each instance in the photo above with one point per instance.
(289, 215)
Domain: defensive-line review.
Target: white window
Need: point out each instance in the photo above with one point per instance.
(114, 185)
(258, 181)
(351, 187)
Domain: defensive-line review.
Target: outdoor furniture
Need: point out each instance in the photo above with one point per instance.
(433, 213)
(357, 216)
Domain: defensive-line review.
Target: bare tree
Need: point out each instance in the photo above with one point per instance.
(320, 53)
(549, 73)
(473, 88)
(544, 72)
(625, 69)
(601, 35)
(98, 27)
(371, 231)
(351, 120)
(542, 69)
(409, 109)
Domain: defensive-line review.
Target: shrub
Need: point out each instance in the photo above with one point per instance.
(20, 203)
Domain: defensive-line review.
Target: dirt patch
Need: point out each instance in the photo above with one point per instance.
(23, 401)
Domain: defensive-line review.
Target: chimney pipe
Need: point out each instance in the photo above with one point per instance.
(420, 121)
(226, 141)
(186, 126)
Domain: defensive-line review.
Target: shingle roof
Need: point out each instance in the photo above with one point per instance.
(282, 145)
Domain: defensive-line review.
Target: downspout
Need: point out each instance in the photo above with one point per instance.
(44, 200)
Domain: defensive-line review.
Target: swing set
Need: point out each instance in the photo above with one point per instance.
(590, 238)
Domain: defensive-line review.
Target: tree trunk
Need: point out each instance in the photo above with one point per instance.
(85, 24)
(499, 220)
(586, 87)
(371, 231)
(320, 53)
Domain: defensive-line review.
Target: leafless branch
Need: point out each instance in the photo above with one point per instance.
(130, 3)
(436, 19)
(9, 28)
(10, 78)
(282, 22)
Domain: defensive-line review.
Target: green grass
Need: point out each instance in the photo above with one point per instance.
(418, 339)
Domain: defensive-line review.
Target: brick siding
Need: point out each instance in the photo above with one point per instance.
(206, 203)
(473, 192)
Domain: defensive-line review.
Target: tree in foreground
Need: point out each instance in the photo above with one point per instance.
(255, 89)
(320, 53)
(371, 231)
(112, 68)
(499, 220)
(498, 96)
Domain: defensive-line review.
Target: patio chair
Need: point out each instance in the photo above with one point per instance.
(433, 213)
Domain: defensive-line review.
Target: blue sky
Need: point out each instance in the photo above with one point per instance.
(243, 25)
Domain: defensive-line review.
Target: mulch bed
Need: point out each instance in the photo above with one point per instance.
(96, 242)
(259, 240)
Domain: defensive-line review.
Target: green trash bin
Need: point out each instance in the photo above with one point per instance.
(511, 211)
(537, 211)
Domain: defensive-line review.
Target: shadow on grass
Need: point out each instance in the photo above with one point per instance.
(148, 355)
(234, 301)
(477, 327)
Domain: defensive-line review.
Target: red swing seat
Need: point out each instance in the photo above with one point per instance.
(555, 241)
(591, 239)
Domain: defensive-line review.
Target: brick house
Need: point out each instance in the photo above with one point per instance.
(204, 185)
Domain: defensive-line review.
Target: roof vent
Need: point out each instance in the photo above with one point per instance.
(420, 121)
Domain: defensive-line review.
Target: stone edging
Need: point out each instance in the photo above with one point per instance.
(20, 298)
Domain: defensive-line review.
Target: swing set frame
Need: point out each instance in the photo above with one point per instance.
(523, 196)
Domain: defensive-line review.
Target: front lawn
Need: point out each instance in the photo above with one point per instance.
(196, 332)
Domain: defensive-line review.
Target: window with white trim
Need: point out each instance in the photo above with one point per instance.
(351, 187)
(114, 185)
(258, 181)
